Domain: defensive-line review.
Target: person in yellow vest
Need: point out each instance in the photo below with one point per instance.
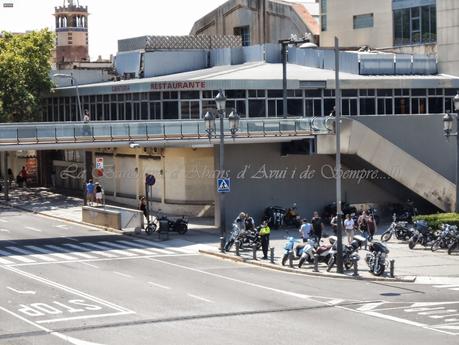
(264, 236)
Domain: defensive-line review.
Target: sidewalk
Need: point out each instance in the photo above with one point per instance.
(204, 236)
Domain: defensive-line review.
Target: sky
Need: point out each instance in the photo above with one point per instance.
(111, 20)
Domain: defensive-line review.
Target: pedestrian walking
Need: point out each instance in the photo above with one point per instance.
(349, 228)
(90, 192)
(264, 233)
(99, 193)
(143, 207)
(317, 225)
(305, 230)
(334, 224)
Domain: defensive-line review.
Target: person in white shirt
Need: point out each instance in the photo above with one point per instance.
(305, 230)
(349, 228)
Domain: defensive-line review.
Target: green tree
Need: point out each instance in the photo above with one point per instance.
(24, 74)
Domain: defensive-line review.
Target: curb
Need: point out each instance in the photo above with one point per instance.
(404, 279)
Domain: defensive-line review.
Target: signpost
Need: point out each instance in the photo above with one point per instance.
(223, 185)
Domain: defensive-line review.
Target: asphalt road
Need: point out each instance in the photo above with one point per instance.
(67, 284)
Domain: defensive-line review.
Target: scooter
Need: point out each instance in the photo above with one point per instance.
(308, 252)
(289, 247)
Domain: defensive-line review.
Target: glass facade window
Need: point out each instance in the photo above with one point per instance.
(170, 110)
(363, 21)
(244, 32)
(323, 15)
(416, 25)
(257, 108)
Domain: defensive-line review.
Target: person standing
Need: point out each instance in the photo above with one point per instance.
(24, 176)
(305, 230)
(371, 225)
(264, 236)
(317, 226)
(143, 207)
(90, 192)
(363, 224)
(99, 193)
(349, 228)
(334, 224)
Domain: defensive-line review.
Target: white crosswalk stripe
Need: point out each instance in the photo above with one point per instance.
(452, 287)
(87, 251)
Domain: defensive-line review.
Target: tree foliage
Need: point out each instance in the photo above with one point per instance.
(24, 74)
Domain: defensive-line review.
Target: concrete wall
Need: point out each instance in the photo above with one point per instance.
(340, 23)
(261, 178)
(448, 36)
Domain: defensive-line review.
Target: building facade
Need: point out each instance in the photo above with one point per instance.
(258, 21)
(448, 36)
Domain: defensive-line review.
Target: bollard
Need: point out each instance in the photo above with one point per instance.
(356, 267)
(222, 244)
(254, 250)
(316, 263)
(271, 254)
(237, 249)
(290, 259)
(392, 266)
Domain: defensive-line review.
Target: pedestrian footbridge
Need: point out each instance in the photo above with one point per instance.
(75, 135)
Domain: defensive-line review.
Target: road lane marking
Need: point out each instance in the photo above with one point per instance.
(122, 274)
(29, 253)
(84, 249)
(3, 220)
(46, 251)
(135, 248)
(64, 337)
(32, 228)
(5, 262)
(370, 306)
(160, 248)
(21, 292)
(62, 226)
(101, 250)
(4, 230)
(159, 286)
(62, 249)
(15, 257)
(446, 286)
(88, 264)
(199, 298)
(125, 250)
(68, 289)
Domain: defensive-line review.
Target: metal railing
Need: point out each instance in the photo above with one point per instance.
(76, 132)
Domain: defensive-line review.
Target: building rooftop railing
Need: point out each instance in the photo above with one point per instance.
(78, 132)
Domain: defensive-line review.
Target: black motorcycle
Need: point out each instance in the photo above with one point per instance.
(400, 229)
(446, 237)
(376, 258)
(235, 231)
(350, 253)
(454, 243)
(179, 225)
(422, 234)
(249, 238)
(274, 215)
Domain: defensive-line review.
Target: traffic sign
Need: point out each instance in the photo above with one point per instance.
(223, 185)
(150, 180)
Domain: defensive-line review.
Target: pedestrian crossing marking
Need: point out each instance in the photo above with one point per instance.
(100, 250)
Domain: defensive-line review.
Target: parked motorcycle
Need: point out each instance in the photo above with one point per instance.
(422, 234)
(376, 258)
(454, 243)
(274, 215)
(398, 228)
(446, 237)
(308, 252)
(292, 217)
(350, 253)
(179, 225)
(249, 238)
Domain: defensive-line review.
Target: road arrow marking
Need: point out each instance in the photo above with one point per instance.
(21, 292)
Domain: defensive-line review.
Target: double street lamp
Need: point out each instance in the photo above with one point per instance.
(86, 161)
(448, 128)
(233, 119)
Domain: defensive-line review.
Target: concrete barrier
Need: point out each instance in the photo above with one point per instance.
(114, 217)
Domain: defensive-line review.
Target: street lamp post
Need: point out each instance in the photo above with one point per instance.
(209, 119)
(87, 168)
(339, 212)
(448, 128)
(293, 40)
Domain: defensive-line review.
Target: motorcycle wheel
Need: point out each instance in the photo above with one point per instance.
(348, 265)
(284, 259)
(228, 245)
(380, 270)
(182, 229)
(436, 245)
(412, 243)
(301, 262)
(331, 263)
(386, 236)
(452, 248)
(151, 228)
